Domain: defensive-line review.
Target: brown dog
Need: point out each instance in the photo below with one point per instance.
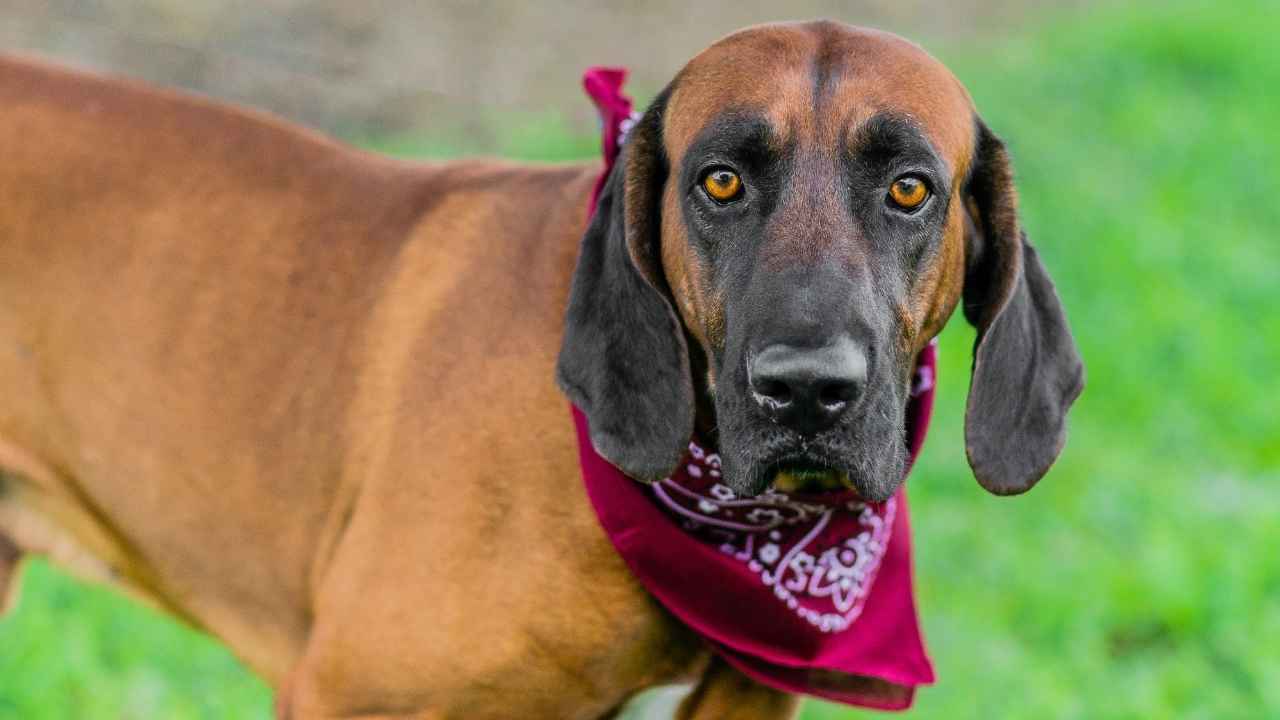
(304, 397)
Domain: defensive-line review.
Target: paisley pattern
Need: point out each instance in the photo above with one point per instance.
(819, 559)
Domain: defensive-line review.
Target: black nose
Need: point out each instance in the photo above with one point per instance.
(808, 390)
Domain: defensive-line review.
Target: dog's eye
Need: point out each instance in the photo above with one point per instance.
(908, 192)
(722, 185)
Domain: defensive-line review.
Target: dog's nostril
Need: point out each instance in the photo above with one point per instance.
(837, 394)
(775, 390)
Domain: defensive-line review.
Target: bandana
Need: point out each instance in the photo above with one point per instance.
(807, 594)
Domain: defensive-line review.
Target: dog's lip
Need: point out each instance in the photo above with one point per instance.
(805, 476)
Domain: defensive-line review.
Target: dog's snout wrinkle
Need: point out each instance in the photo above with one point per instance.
(808, 389)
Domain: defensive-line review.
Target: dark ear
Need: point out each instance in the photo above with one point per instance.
(1026, 368)
(623, 361)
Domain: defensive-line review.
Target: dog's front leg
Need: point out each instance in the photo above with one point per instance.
(726, 694)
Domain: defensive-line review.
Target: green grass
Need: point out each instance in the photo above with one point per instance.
(1142, 578)
(76, 651)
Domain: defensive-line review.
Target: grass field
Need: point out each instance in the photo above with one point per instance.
(1142, 578)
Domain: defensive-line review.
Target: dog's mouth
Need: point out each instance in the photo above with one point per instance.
(861, 457)
(805, 476)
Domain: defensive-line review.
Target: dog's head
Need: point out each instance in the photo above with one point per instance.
(793, 219)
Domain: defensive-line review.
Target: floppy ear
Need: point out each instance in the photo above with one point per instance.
(623, 360)
(1026, 368)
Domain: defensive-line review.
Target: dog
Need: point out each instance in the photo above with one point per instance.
(309, 399)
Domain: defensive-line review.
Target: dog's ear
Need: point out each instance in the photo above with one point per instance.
(1026, 368)
(623, 360)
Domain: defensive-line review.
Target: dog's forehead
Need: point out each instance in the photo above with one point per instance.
(815, 81)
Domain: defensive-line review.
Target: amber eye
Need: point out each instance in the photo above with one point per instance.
(908, 192)
(722, 185)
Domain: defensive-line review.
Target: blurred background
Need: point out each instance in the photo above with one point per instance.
(1141, 579)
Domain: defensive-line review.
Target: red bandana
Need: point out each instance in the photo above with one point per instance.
(802, 594)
